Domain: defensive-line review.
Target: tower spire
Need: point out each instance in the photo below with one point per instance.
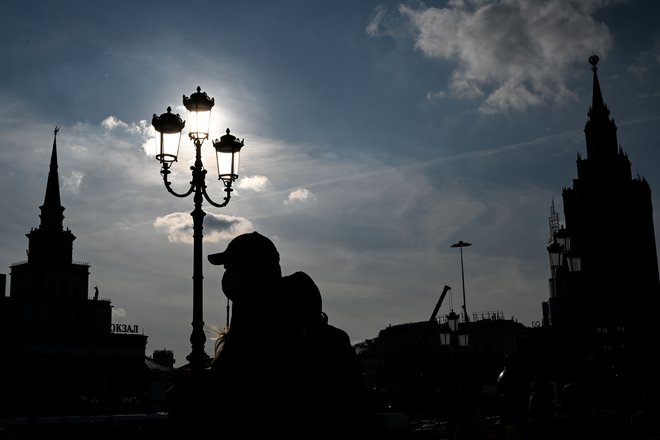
(52, 209)
(600, 129)
(598, 107)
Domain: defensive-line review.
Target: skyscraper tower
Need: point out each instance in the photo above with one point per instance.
(606, 305)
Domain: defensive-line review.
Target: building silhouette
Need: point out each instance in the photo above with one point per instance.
(598, 329)
(604, 288)
(60, 353)
(425, 368)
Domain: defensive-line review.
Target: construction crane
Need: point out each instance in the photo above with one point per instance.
(415, 355)
(437, 306)
(432, 319)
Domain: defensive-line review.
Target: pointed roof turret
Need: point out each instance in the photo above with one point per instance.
(50, 243)
(52, 209)
(598, 108)
(600, 130)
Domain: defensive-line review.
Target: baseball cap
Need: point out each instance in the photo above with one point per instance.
(251, 247)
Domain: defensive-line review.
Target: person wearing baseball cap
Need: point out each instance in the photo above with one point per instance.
(251, 262)
(279, 359)
(243, 371)
(237, 385)
(247, 249)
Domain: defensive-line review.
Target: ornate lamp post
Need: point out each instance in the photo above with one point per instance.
(569, 259)
(168, 127)
(555, 251)
(461, 244)
(564, 239)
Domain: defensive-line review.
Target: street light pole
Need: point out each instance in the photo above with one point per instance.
(555, 251)
(169, 127)
(461, 244)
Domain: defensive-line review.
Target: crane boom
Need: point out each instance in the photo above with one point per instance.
(408, 375)
(442, 298)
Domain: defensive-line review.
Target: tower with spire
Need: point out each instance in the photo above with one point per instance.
(603, 310)
(50, 269)
(61, 355)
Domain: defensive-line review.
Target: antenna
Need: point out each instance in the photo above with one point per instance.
(554, 221)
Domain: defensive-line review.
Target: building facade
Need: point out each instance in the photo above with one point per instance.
(425, 367)
(604, 288)
(60, 355)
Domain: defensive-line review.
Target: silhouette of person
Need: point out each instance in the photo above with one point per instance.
(280, 368)
(644, 420)
(540, 412)
(239, 390)
(325, 374)
(576, 411)
(513, 392)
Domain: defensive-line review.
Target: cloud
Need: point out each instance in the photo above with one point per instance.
(219, 227)
(111, 122)
(179, 227)
(433, 96)
(255, 183)
(72, 181)
(511, 55)
(300, 195)
(376, 26)
(646, 63)
(142, 129)
(118, 312)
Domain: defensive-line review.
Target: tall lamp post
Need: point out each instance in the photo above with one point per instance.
(168, 127)
(461, 244)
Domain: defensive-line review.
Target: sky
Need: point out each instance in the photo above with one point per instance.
(377, 134)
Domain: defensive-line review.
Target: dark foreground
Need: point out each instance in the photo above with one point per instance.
(390, 426)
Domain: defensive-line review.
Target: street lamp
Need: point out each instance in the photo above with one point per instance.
(168, 127)
(454, 336)
(449, 338)
(555, 251)
(574, 262)
(569, 259)
(452, 320)
(461, 244)
(564, 238)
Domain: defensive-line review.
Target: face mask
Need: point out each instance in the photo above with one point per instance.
(231, 284)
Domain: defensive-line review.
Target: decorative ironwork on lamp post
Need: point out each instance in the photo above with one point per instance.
(169, 127)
